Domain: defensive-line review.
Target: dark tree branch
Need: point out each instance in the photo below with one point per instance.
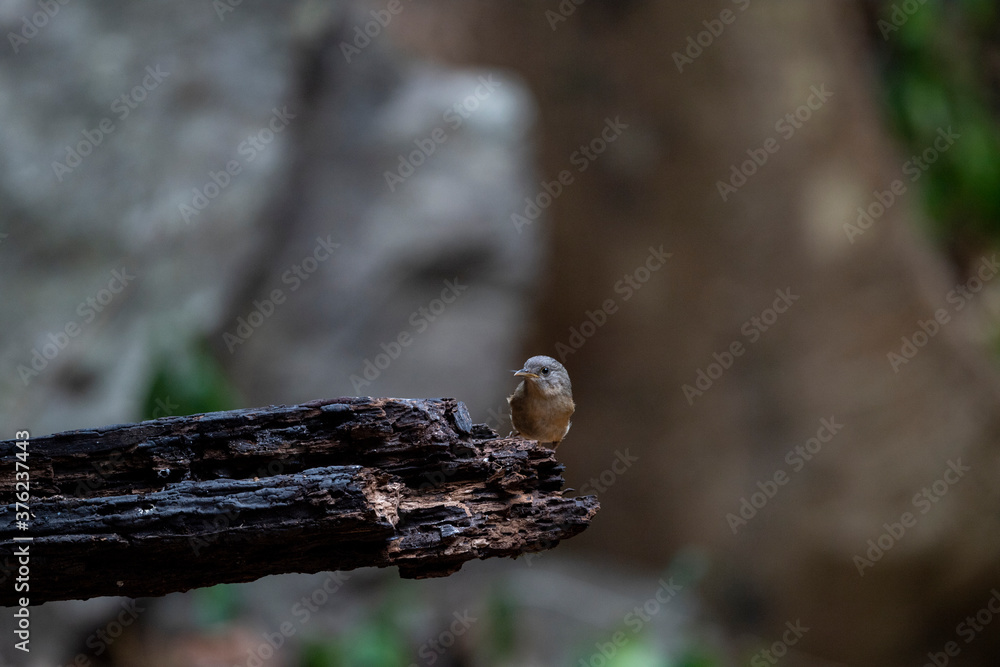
(182, 502)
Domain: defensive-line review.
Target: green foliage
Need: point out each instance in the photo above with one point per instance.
(377, 641)
(632, 645)
(698, 657)
(218, 604)
(188, 382)
(374, 644)
(320, 654)
(502, 633)
(640, 653)
(936, 79)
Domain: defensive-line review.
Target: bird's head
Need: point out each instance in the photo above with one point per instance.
(545, 373)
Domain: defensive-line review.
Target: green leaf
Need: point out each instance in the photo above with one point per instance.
(188, 382)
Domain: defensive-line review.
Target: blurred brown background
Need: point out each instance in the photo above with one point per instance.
(759, 234)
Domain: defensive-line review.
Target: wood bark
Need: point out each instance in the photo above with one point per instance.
(181, 502)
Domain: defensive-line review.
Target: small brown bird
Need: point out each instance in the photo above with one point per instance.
(542, 404)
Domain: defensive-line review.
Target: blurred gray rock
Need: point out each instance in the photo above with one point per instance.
(164, 167)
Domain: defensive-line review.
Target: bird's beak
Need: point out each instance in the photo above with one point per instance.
(525, 374)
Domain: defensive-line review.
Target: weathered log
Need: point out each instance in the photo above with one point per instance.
(181, 502)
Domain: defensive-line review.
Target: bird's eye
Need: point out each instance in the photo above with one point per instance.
(545, 370)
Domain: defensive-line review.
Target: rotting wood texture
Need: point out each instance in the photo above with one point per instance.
(182, 502)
